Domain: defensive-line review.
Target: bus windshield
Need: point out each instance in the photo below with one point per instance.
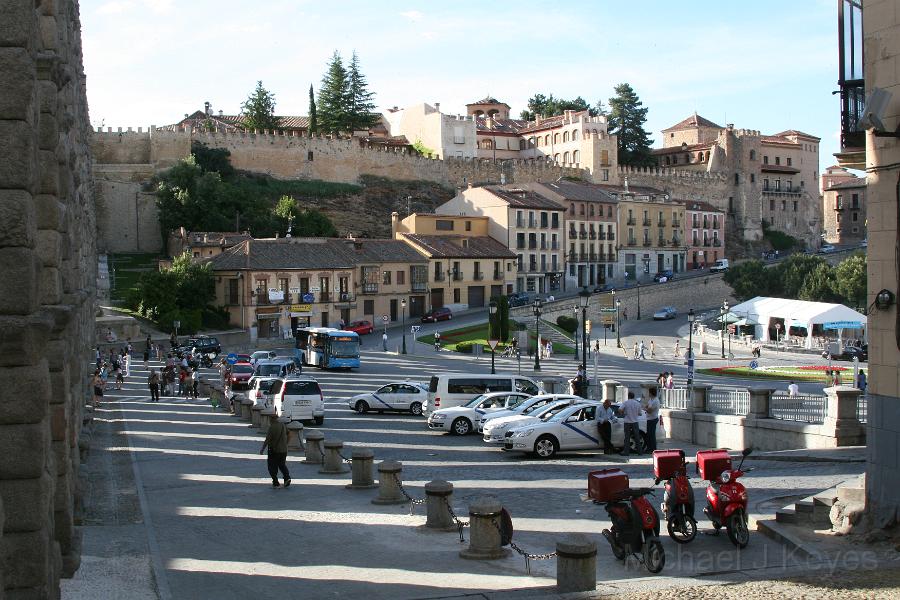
(348, 348)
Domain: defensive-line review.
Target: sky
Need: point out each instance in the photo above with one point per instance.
(767, 65)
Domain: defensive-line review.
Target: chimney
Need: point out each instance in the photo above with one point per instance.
(537, 119)
(437, 106)
(220, 112)
(626, 184)
(395, 223)
(207, 108)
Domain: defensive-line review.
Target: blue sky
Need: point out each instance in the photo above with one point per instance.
(768, 65)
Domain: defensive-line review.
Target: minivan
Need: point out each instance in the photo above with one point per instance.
(446, 391)
(299, 398)
(274, 367)
(720, 267)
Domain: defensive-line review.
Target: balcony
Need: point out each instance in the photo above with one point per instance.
(792, 192)
(839, 208)
(647, 243)
(661, 242)
(572, 257)
(632, 242)
(717, 243)
(705, 224)
(611, 236)
(478, 276)
(520, 223)
(675, 242)
(532, 224)
(593, 257)
(323, 297)
(457, 276)
(676, 223)
(592, 235)
(630, 221)
(662, 223)
(439, 276)
(582, 235)
(583, 257)
(601, 235)
(853, 139)
(707, 243)
(573, 233)
(498, 275)
(601, 257)
(646, 223)
(419, 286)
(370, 288)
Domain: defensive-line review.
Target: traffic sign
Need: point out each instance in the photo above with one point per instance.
(385, 318)
(415, 328)
(493, 344)
(231, 358)
(754, 364)
(690, 369)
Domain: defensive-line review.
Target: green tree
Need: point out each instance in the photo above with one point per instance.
(422, 148)
(626, 120)
(850, 280)
(792, 273)
(503, 317)
(334, 97)
(212, 159)
(259, 109)
(313, 223)
(548, 106)
(749, 279)
(313, 117)
(819, 285)
(183, 293)
(361, 110)
(286, 209)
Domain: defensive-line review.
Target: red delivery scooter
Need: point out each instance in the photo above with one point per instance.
(635, 523)
(726, 498)
(678, 499)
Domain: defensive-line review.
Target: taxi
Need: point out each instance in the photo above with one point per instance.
(494, 426)
(462, 420)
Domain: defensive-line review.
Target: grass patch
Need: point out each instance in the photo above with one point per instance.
(478, 334)
(777, 373)
(126, 269)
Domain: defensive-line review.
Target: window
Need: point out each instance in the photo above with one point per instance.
(443, 225)
(795, 206)
(591, 211)
(777, 185)
(554, 221)
(765, 160)
(855, 216)
(840, 202)
(468, 225)
(783, 204)
(609, 213)
(576, 157)
(520, 240)
(544, 220)
(456, 295)
(765, 184)
(854, 201)
(753, 155)
(370, 280)
(401, 277)
(386, 278)
(777, 160)
(368, 307)
(233, 291)
(737, 179)
(789, 161)
(565, 136)
(605, 175)
(752, 178)
(575, 137)
(771, 204)
(309, 156)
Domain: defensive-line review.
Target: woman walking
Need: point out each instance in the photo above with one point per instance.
(97, 382)
(153, 383)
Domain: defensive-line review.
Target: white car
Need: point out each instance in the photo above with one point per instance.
(299, 398)
(261, 390)
(261, 355)
(399, 396)
(495, 427)
(572, 428)
(465, 419)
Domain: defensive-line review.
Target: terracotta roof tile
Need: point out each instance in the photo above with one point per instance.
(692, 121)
(450, 246)
(856, 182)
(581, 192)
(487, 100)
(500, 125)
(794, 132)
(700, 206)
(522, 198)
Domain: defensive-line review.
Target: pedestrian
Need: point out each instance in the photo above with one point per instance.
(276, 442)
(642, 357)
(173, 341)
(195, 382)
(153, 383)
(661, 379)
(793, 389)
(837, 378)
(170, 381)
(549, 348)
(861, 381)
(670, 380)
(624, 314)
(97, 382)
(652, 349)
(677, 348)
(651, 406)
(157, 350)
(631, 411)
(120, 379)
(634, 351)
(437, 341)
(182, 381)
(605, 418)
(104, 374)
(99, 357)
(147, 355)
(343, 323)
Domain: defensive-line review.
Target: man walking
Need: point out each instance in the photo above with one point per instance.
(153, 382)
(631, 411)
(793, 389)
(605, 418)
(652, 408)
(642, 351)
(384, 341)
(276, 442)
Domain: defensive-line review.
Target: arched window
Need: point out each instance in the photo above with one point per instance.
(668, 160)
(700, 156)
(574, 135)
(707, 155)
(565, 158)
(556, 138)
(595, 132)
(565, 136)
(547, 140)
(556, 157)
(576, 157)
(479, 113)
(493, 112)
(487, 144)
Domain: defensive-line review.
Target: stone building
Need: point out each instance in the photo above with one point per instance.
(844, 211)
(704, 230)
(445, 135)
(203, 244)
(48, 261)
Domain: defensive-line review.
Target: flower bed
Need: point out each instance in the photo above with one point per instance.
(808, 373)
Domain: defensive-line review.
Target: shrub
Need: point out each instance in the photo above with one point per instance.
(567, 323)
(465, 347)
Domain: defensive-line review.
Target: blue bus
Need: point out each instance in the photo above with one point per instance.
(328, 348)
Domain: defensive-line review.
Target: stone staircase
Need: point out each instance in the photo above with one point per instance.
(548, 332)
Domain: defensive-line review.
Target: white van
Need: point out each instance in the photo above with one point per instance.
(720, 267)
(299, 398)
(446, 391)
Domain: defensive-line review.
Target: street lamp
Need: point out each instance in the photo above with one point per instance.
(575, 310)
(724, 315)
(403, 322)
(639, 299)
(536, 309)
(584, 298)
(492, 309)
(618, 333)
(690, 352)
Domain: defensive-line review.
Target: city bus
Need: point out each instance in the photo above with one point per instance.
(327, 347)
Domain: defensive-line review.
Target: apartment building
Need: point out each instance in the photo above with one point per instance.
(844, 211)
(705, 229)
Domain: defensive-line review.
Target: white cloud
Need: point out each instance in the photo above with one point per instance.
(159, 6)
(413, 15)
(116, 7)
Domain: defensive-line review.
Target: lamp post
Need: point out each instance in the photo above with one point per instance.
(492, 309)
(575, 310)
(618, 333)
(403, 322)
(639, 300)
(584, 298)
(690, 351)
(724, 315)
(536, 309)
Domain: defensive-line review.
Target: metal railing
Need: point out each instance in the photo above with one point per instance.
(805, 408)
(676, 398)
(862, 408)
(728, 402)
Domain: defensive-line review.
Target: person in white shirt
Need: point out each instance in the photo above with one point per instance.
(631, 412)
(793, 389)
(605, 418)
(652, 407)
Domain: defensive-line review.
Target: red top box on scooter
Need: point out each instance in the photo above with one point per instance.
(711, 463)
(667, 463)
(606, 485)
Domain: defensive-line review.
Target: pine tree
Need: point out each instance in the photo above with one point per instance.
(313, 118)
(259, 109)
(361, 109)
(626, 120)
(334, 96)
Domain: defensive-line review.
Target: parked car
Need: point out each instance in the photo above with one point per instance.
(261, 390)
(398, 396)
(519, 299)
(851, 352)
(361, 327)
(204, 343)
(241, 372)
(495, 426)
(437, 314)
(663, 276)
(720, 266)
(456, 389)
(666, 312)
(461, 420)
(827, 249)
(261, 355)
(299, 398)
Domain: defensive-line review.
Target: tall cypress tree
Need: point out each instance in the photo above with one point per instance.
(361, 109)
(627, 116)
(313, 117)
(259, 109)
(334, 97)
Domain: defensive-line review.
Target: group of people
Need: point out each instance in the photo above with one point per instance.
(635, 440)
(114, 363)
(182, 374)
(666, 380)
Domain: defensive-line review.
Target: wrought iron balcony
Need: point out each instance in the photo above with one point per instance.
(630, 221)
(370, 288)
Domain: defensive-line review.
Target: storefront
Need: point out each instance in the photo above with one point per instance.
(267, 322)
(300, 315)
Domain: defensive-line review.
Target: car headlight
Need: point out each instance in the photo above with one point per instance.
(523, 433)
(725, 477)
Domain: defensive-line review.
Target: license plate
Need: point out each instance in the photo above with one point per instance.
(303, 402)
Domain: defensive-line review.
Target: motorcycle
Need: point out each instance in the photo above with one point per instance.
(678, 498)
(726, 498)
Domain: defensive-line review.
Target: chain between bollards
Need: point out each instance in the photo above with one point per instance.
(528, 557)
(412, 501)
(459, 524)
(345, 459)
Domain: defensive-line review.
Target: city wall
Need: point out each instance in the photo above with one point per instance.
(48, 261)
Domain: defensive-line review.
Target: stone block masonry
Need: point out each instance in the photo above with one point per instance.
(48, 263)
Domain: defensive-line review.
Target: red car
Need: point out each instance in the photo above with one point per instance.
(361, 327)
(437, 314)
(241, 372)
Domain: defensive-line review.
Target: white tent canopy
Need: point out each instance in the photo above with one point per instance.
(761, 311)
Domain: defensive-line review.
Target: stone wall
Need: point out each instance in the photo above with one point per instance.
(48, 262)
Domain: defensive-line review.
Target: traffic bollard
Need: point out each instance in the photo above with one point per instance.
(255, 417)
(438, 496)
(389, 483)
(362, 459)
(246, 409)
(295, 436)
(576, 564)
(265, 419)
(237, 408)
(333, 463)
(484, 530)
(314, 454)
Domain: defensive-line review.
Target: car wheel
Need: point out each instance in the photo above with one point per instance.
(416, 408)
(319, 420)
(461, 426)
(546, 446)
(362, 407)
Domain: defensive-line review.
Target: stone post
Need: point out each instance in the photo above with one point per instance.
(362, 459)
(576, 564)
(842, 416)
(438, 495)
(609, 389)
(759, 402)
(295, 436)
(246, 409)
(484, 532)
(265, 419)
(237, 408)
(333, 464)
(389, 483)
(698, 401)
(313, 448)
(255, 418)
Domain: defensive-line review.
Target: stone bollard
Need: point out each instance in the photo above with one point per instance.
(362, 469)
(246, 409)
(255, 418)
(265, 419)
(484, 534)
(438, 495)
(314, 454)
(333, 464)
(236, 407)
(389, 483)
(295, 436)
(576, 564)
